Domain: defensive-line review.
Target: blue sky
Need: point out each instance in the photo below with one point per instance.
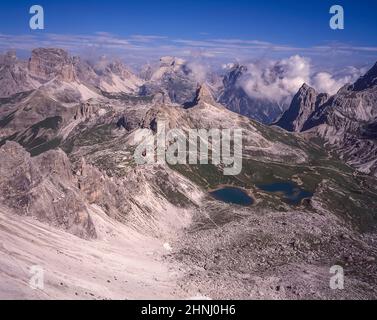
(212, 29)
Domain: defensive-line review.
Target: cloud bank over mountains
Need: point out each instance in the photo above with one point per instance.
(328, 83)
(279, 80)
(276, 80)
(275, 71)
(141, 47)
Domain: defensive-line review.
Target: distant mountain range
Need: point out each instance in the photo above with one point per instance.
(179, 82)
(347, 120)
(77, 79)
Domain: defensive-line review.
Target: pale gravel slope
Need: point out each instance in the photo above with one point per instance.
(120, 264)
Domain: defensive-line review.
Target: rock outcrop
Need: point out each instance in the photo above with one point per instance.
(303, 105)
(43, 187)
(174, 78)
(49, 63)
(203, 95)
(14, 77)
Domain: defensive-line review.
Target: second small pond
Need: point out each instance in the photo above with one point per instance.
(292, 193)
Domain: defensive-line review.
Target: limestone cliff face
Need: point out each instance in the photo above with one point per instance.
(203, 95)
(367, 81)
(48, 63)
(173, 78)
(304, 103)
(13, 75)
(43, 187)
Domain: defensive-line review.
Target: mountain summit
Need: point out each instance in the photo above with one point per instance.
(203, 94)
(347, 120)
(304, 103)
(174, 77)
(48, 63)
(367, 81)
(234, 96)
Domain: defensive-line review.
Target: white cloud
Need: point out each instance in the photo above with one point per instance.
(138, 48)
(279, 80)
(325, 82)
(199, 70)
(276, 80)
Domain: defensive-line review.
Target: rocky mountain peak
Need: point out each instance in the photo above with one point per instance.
(172, 76)
(13, 75)
(367, 81)
(120, 69)
(171, 61)
(304, 103)
(305, 87)
(203, 94)
(171, 67)
(52, 54)
(8, 58)
(235, 72)
(117, 67)
(48, 63)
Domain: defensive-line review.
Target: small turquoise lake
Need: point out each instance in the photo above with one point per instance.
(232, 195)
